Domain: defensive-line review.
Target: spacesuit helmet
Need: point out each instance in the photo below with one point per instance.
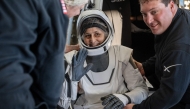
(95, 18)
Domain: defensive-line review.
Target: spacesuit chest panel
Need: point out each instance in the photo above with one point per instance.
(104, 77)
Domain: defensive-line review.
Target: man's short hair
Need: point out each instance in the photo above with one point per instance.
(166, 2)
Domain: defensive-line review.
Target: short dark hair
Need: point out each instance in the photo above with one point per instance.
(166, 2)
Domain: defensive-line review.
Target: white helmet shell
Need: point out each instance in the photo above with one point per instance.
(102, 48)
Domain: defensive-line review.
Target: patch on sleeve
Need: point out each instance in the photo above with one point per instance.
(167, 68)
(63, 7)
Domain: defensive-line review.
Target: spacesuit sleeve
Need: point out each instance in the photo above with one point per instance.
(69, 91)
(138, 91)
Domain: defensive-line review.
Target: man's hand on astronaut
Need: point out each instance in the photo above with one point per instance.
(114, 101)
(78, 69)
(129, 106)
(140, 67)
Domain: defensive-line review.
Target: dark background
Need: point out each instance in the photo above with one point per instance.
(142, 43)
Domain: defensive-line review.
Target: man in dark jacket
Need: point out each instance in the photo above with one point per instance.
(32, 41)
(170, 65)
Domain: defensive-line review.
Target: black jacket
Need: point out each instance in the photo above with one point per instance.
(32, 40)
(171, 65)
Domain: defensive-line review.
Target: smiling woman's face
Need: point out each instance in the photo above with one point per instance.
(94, 36)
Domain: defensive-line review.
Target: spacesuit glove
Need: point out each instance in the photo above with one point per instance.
(112, 102)
(78, 69)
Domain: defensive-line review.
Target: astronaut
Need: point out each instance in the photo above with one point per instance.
(104, 75)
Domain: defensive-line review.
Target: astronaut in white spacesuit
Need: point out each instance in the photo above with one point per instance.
(103, 75)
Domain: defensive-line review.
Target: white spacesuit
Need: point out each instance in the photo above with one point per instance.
(113, 73)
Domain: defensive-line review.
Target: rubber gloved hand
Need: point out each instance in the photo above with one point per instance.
(78, 69)
(112, 102)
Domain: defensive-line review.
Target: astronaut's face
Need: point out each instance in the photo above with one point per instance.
(93, 37)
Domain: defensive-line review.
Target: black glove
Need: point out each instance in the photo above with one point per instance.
(112, 102)
(78, 71)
